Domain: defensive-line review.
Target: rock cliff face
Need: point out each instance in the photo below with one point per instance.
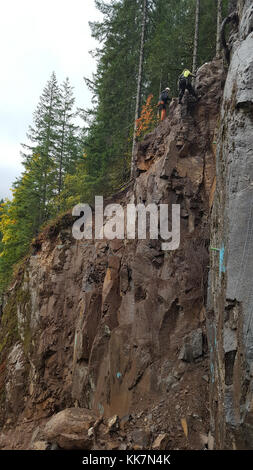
(104, 328)
(118, 326)
(230, 306)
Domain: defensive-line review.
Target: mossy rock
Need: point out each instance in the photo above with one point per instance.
(9, 331)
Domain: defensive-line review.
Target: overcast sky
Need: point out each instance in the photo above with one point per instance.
(37, 37)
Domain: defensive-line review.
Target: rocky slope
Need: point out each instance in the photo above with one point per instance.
(118, 344)
(118, 326)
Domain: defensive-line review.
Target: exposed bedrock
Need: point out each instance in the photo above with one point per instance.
(118, 327)
(231, 294)
(129, 346)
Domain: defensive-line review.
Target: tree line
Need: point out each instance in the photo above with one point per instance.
(143, 46)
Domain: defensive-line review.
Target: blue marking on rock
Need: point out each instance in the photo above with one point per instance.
(222, 265)
(101, 409)
(212, 372)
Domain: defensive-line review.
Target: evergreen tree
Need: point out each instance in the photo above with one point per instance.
(208, 29)
(108, 145)
(196, 37)
(43, 146)
(51, 153)
(139, 84)
(169, 46)
(66, 140)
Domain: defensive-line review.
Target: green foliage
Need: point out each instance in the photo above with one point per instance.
(53, 151)
(169, 46)
(67, 143)
(9, 331)
(16, 232)
(1, 235)
(108, 144)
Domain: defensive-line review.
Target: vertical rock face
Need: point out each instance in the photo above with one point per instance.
(119, 326)
(230, 324)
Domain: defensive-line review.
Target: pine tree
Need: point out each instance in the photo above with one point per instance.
(139, 83)
(169, 45)
(110, 134)
(43, 143)
(219, 21)
(196, 37)
(66, 141)
(51, 153)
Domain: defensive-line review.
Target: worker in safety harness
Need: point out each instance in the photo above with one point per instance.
(163, 100)
(184, 83)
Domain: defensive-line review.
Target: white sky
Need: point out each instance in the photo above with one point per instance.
(37, 37)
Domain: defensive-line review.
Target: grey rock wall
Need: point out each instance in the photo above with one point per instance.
(232, 293)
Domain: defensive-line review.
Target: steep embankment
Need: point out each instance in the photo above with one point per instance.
(119, 326)
(230, 303)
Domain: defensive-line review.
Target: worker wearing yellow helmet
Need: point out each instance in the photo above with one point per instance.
(184, 83)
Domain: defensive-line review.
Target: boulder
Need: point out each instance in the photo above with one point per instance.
(113, 424)
(192, 347)
(161, 442)
(112, 445)
(69, 429)
(40, 445)
(141, 438)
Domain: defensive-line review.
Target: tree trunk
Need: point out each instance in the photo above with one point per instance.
(61, 155)
(219, 21)
(160, 91)
(160, 86)
(196, 38)
(138, 92)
